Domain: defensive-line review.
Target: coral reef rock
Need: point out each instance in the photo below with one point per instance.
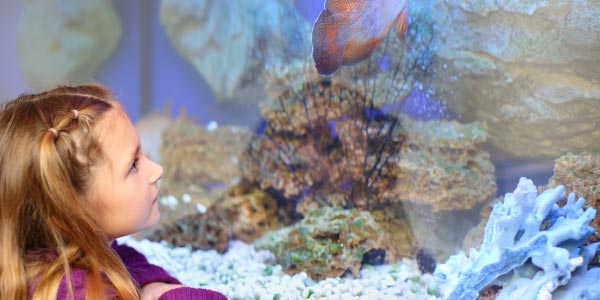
(243, 212)
(527, 68)
(442, 164)
(329, 144)
(531, 248)
(580, 174)
(64, 42)
(229, 43)
(399, 237)
(326, 243)
(200, 162)
(251, 211)
(210, 230)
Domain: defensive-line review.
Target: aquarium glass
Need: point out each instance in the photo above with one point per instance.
(375, 149)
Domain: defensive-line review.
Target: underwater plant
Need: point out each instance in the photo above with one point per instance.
(338, 164)
(332, 142)
(531, 248)
(327, 142)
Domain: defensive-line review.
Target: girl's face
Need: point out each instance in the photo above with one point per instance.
(125, 180)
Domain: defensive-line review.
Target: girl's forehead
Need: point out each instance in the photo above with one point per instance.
(111, 126)
(112, 120)
(117, 136)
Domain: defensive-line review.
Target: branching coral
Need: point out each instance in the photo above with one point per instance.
(580, 173)
(528, 239)
(330, 145)
(330, 140)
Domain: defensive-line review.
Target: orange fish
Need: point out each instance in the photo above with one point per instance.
(348, 31)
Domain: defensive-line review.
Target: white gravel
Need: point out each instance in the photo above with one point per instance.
(244, 273)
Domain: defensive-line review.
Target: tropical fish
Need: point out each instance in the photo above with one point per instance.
(348, 31)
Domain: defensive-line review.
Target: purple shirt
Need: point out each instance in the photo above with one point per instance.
(142, 273)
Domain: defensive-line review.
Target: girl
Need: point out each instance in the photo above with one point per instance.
(72, 180)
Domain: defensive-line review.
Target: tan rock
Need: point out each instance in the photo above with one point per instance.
(199, 162)
(206, 231)
(528, 69)
(231, 43)
(580, 174)
(64, 42)
(251, 211)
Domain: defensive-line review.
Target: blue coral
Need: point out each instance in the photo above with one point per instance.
(531, 247)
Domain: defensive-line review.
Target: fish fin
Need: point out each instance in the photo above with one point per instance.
(401, 25)
(356, 52)
(340, 6)
(327, 54)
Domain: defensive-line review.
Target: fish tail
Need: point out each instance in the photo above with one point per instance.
(327, 54)
(357, 52)
(401, 25)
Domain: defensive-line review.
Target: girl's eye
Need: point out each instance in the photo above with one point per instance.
(134, 166)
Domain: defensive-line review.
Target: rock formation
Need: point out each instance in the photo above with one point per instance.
(230, 43)
(64, 42)
(328, 144)
(529, 69)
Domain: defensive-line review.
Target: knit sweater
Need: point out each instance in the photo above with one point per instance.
(142, 273)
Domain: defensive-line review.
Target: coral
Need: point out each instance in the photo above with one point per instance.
(580, 173)
(529, 247)
(399, 235)
(326, 243)
(251, 211)
(305, 151)
(442, 164)
(242, 212)
(580, 286)
(330, 144)
(210, 230)
(200, 162)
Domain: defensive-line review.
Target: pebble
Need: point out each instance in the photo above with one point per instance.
(240, 273)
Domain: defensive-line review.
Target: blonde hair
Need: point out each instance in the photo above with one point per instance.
(47, 150)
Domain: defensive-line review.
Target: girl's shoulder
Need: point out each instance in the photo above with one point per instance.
(141, 271)
(77, 277)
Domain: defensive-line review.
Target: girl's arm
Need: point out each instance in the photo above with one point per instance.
(155, 282)
(140, 269)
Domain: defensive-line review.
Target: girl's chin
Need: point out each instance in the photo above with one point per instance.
(154, 219)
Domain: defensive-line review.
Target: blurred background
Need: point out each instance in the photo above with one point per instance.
(436, 123)
(148, 74)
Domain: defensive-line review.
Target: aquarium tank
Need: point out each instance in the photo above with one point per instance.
(322, 149)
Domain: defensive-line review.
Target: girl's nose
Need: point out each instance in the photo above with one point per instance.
(157, 172)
